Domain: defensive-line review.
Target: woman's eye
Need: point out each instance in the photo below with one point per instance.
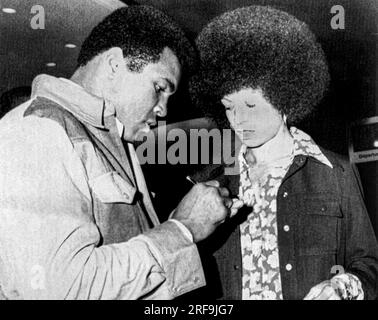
(250, 105)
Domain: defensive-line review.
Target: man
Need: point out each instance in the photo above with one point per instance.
(76, 216)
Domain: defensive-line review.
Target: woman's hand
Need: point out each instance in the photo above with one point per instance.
(326, 290)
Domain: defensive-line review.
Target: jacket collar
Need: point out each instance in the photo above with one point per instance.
(303, 145)
(74, 98)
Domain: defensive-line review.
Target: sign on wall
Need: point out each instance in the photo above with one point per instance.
(363, 140)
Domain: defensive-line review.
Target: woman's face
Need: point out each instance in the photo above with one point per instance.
(253, 118)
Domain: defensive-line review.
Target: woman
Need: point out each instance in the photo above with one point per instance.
(303, 217)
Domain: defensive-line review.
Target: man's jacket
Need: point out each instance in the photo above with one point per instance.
(322, 224)
(76, 221)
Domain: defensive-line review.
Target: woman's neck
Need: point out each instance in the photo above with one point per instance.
(280, 146)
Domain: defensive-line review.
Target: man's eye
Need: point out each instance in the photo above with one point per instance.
(158, 88)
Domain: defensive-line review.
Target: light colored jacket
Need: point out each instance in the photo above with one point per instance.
(70, 225)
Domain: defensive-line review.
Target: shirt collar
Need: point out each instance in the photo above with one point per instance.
(120, 127)
(71, 96)
(303, 144)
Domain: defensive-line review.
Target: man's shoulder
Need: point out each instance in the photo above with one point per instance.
(45, 108)
(19, 129)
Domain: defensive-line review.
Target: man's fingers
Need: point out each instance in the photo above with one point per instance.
(233, 212)
(224, 192)
(212, 183)
(227, 203)
(236, 205)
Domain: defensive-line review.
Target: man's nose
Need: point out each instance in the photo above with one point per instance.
(161, 109)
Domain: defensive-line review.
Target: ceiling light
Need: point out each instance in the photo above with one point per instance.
(51, 64)
(9, 10)
(376, 144)
(70, 45)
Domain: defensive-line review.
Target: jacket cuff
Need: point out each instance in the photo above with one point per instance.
(178, 257)
(183, 229)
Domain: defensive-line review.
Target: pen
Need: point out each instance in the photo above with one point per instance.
(191, 180)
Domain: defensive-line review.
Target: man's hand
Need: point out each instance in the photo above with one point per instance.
(326, 290)
(204, 208)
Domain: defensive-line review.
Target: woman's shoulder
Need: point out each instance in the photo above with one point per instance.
(336, 159)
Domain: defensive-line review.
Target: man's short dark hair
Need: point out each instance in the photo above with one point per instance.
(260, 47)
(142, 32)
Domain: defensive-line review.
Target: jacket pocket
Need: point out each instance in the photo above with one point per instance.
(112, 188)
(319, 218)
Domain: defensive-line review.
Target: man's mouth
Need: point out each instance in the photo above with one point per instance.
(147, 126)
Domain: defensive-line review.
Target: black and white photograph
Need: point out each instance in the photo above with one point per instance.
(202, 152)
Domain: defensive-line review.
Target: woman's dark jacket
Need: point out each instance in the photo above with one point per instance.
(328, 226)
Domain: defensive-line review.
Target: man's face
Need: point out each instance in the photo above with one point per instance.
(139, 97)
(253, 118)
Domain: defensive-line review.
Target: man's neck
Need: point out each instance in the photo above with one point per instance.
(87, 77)
(280, 146)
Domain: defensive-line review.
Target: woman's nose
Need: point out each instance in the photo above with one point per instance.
(240, 116)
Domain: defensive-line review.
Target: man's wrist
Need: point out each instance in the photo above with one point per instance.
(184, 229)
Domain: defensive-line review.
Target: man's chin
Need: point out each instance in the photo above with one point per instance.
(140, 135)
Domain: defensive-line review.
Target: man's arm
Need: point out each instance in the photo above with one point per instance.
(49, 241)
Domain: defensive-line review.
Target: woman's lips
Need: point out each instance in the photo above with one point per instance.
(245, 134)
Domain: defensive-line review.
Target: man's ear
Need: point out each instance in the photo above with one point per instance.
(114, 61)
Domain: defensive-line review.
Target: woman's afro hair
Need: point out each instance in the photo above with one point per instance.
(264, 48)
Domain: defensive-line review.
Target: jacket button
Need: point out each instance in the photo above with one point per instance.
(285, 194)
(286, 228)
(236, 267)
(288, 267)
(323, 209)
